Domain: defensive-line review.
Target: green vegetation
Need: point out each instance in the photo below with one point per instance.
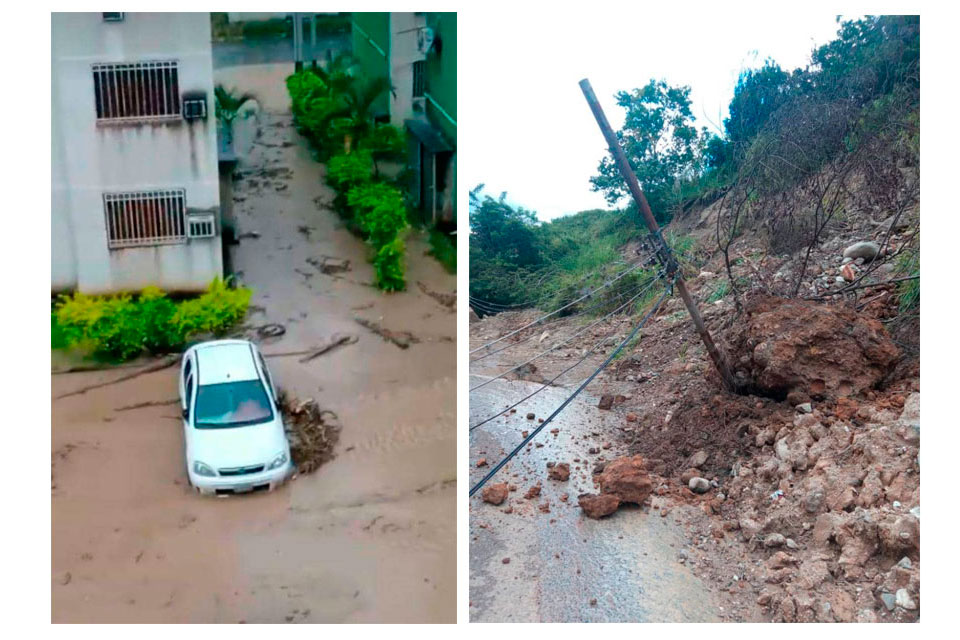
(122, 327)
(333, 109)
(228, 103)
(798, 151)
(516, 259)
(443, 247)
(719, 292)
(783, 126)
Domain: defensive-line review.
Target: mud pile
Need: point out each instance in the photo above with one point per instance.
(313, 432)
(815, 350)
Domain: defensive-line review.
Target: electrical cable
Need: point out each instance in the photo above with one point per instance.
(552, 313)
(602, 303)
(548, 383)
(569, 338)
(582, 386)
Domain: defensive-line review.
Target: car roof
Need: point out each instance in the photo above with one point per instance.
(225, 361)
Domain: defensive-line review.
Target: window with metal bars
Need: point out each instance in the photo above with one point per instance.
(418, 77)
(145, 218)
(136, 91)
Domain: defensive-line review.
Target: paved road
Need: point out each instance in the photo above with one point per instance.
(560, 561)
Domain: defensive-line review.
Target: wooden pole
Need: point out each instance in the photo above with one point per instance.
(666, 255)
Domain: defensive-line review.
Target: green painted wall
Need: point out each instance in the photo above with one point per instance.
(441, 75)
(371, 48)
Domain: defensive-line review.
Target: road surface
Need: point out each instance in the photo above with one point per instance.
(564, 567)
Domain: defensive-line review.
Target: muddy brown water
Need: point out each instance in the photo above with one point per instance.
(370, 536)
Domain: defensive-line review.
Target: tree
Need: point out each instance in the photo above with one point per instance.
(499, 230)
(759, 92)
(661, 144)
(229, 103)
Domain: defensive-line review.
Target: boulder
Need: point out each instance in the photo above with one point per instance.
(698, 485)
(820, 350)
(627, 479)
(866, 250)
(495, 493)
(598, 506)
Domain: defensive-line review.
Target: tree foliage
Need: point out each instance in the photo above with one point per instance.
(661, 143)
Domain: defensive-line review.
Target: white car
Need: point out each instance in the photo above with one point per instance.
(232, 427)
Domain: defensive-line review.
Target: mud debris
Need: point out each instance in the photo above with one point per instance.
(448, 300)
(402, 339)
(313, 432)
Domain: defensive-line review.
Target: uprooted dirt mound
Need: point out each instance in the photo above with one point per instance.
(313, 432)
(783, 345)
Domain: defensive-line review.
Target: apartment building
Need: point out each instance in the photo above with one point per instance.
(135, 195)
(418, 52)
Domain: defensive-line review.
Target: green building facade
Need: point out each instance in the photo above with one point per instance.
(417, 51)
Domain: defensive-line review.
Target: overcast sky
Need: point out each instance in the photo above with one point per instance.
(536, 138)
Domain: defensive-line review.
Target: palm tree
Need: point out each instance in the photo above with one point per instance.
(228, 104)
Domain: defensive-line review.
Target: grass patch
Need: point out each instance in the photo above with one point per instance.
(443, 247)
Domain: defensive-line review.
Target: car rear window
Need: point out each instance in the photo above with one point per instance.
(232, 404)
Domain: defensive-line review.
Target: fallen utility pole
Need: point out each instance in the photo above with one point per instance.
(663, 251)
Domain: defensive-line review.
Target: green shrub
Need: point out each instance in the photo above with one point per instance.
(120, 327)
(108, 326)
(214, 312)
(58, 339)
(346, 170)
(385, 142)
(443, 247)
(379, 208)
(388, 264)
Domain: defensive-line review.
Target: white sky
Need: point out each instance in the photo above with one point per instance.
(531, 132)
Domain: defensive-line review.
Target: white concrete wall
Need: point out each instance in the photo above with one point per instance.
(403, 53)
(89, 160)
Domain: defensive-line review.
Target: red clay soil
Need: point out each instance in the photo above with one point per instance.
(781, 346)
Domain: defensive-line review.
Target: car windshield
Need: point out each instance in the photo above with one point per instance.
(232, 404)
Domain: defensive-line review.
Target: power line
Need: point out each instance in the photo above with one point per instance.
(495, 305)
(545, 385)
(582, 386)
(602, 303)
(568, 339)
(569, 304)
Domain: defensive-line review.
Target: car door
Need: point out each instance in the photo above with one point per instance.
(190, 389)
(186, 367)
(271, 389)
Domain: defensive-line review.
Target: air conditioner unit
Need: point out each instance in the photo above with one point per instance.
(195, 107)
(425, 37)
(115, 16)
(201, 226)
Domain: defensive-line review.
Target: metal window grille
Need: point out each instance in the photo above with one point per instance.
(136, 91)
(418, 76)
(113, 16)
(201, 226)
(145, 218)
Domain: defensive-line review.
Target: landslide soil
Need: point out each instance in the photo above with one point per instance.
(370, 535)
(835, 491)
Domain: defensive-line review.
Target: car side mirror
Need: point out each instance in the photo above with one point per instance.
(185, 413)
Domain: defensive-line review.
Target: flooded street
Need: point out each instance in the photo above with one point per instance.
(370, 536)
(563, 566)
